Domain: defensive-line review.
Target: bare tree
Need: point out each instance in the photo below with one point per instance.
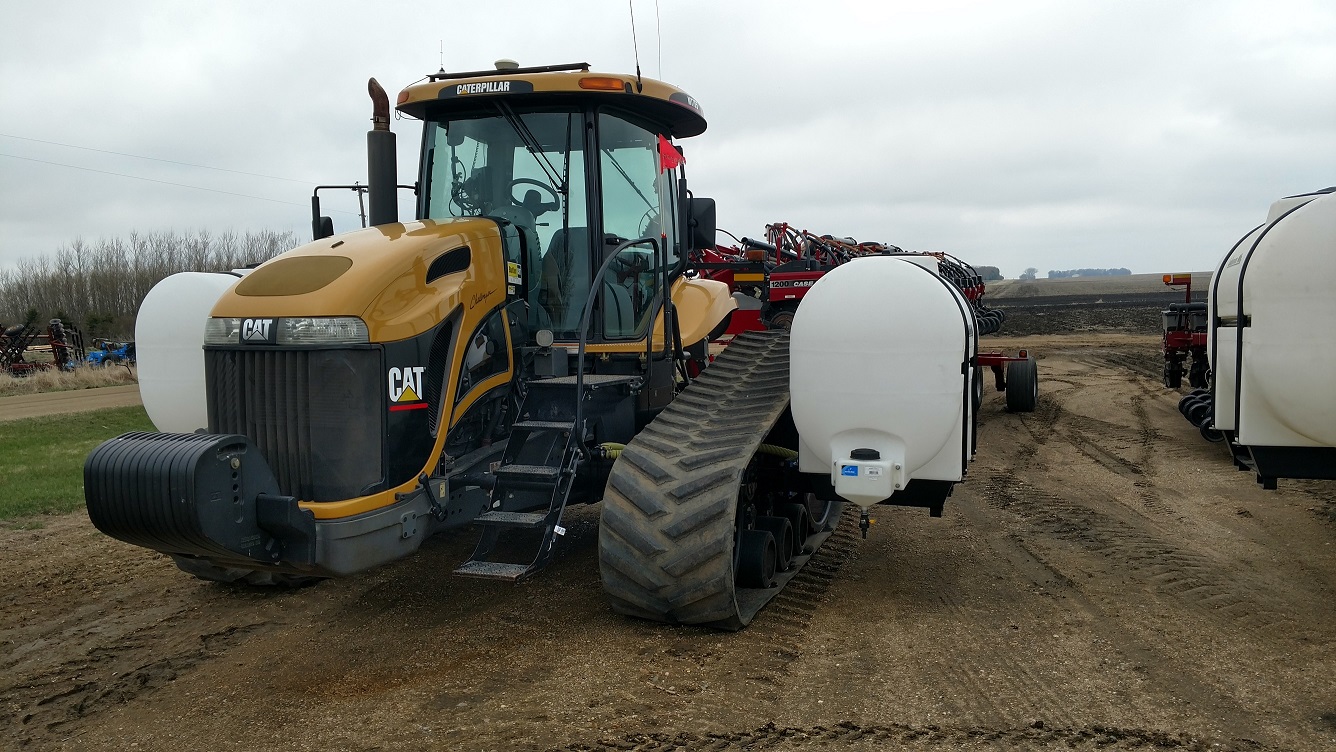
(100, 285)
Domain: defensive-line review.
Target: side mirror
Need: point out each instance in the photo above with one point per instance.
(701, 224)
(321, 227)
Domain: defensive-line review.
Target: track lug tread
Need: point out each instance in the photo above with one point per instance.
(667, 534)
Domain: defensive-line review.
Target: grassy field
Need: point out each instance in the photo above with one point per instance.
(41, 460)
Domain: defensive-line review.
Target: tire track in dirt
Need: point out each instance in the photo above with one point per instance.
(1194, 579)
(1163, 670)
(848, 734)
(985, 676)
(108, 675)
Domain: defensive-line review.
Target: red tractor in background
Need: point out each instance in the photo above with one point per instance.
(770, 278)
(1185, 329)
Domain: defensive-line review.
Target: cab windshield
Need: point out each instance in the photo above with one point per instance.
(537, 171)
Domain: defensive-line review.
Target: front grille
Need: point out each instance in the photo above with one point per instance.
(316, 415)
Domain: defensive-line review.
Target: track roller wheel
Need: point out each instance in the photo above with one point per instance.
(785, 540)
(1210, 434)
(757, 559)
(801, 520)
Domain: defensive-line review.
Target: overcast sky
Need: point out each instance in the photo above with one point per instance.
(1055, 134)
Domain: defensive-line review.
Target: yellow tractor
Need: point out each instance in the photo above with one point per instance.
(534, 338)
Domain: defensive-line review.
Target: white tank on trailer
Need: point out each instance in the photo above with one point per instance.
(880, 378)
(169, 345)
(1272, 343)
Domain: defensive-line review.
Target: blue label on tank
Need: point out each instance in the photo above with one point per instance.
(849, 470)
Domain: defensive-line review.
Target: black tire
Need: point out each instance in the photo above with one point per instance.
(782, 319)
(1173, 377)
(203, 570)
(1022, 385)
(1210, 434)
(1199, 413)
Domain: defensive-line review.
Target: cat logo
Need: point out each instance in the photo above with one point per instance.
(257, 330)
(406, 388)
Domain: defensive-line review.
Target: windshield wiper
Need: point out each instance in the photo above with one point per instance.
(531, 143)
(628, 179)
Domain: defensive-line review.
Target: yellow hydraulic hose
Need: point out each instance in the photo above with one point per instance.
(613, 451)
(777, 451)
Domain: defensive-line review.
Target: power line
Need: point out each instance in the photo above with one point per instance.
(157, 159)
(166, 182)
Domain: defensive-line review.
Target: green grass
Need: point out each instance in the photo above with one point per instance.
(41, 459)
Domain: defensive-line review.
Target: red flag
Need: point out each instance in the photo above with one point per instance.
(669, 156)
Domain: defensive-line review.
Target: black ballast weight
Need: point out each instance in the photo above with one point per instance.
(207, 495)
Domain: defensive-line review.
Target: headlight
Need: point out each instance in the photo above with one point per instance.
(330, 330)
(222, 331)
(322, 330)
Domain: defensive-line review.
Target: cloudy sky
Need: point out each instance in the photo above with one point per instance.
(1049, 133)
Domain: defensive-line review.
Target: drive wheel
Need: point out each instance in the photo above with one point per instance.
(1022, 385)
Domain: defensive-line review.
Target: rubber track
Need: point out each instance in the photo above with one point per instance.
(667, 532)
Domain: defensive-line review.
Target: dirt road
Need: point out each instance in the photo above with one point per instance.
(74, 401)
(1104, 580)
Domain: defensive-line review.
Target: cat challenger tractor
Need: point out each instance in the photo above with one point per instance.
(529, 341)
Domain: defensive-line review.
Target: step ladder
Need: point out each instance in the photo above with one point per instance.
(537, 471)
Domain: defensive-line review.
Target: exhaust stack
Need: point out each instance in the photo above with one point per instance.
(382, 177)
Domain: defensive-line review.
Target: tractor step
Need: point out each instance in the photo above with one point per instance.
(511, 519)
(528, 473)
(544, 425)
(494, 570)
(591, 380)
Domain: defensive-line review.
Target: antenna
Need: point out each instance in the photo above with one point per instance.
(443, 53)
(634, 45)
(658, 33)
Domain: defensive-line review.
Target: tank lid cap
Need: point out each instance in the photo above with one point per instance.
(865, 454)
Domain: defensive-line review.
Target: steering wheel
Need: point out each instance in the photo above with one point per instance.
(542, 208)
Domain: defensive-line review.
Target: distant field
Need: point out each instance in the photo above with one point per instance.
(1133, 284)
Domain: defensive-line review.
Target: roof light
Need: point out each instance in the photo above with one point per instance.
(403, 96)
(602, 83)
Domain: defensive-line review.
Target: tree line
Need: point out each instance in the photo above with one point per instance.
(99, 286)
(1054, 274)
(1032, 273)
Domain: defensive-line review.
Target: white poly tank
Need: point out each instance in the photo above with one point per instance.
(169, 345)
(879, 364)
(1281, 374)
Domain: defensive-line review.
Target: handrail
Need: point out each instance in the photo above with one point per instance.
(594, 289)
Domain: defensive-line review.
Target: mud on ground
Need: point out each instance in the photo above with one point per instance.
(1104, 580)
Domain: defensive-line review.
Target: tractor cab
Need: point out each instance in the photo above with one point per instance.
(572, 166)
